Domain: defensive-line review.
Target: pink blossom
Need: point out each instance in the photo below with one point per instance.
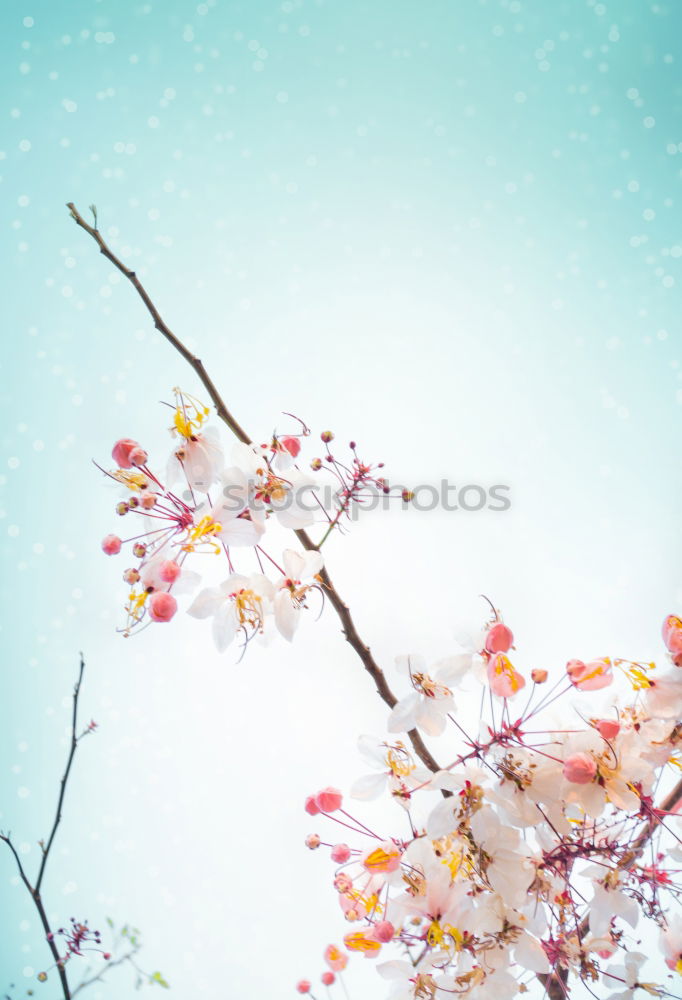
(162, 606)
(335, 958)
(499, 639)
(328, 800)
(382, 859)
(580, 768)
(672, 637)
(590, 676)
(340, 853)
(504, 680)
(111, 545)
(121, 452)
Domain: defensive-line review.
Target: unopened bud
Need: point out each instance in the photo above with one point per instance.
(327, 436)
(133, 503)
(122, 508)
(316, 464)
(539, 676)
(148, 501)
(139, 550)
(407, 495)
(312, 841)
(131, 576)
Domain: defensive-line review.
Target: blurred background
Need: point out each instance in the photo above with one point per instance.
(449, 231)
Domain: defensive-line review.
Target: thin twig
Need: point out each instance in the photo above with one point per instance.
(110, 965)
(65, 778)
(34, 891)
(342, 610)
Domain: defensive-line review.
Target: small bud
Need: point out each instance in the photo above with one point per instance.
(352, 915)
(42, 977)
(383, 931)
(291, 444)
(169, 571)
(328, 978)
(316, 464)
(162, 607)
(311, 806)
(122, 508)
(340, 853)
(122, 450)
(328, 800)
(138, 457)
(303, 986)
(139, 550)
(499, 639)
(407, 495)
(131, 576)
(312, 841)
(111, 545)
(539, 676)
(608, 728)
(352, 445)
(327, 436)
(148, 501)
(580, 768)
(133, 503)
(106, 956)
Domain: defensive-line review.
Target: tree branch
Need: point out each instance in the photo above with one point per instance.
(342, 610)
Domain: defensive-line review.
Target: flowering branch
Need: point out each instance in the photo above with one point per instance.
(341, 608)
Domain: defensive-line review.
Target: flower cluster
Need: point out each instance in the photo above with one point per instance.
(525, 856)
(204, 505)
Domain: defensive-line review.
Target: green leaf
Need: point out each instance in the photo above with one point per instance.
(158, 978)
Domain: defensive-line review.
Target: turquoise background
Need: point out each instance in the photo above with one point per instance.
(450, 230)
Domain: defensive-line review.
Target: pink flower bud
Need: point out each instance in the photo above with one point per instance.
(162, 606)
(131, 576)
(328, 800)
(111, 545)
(122, 450)
(538, 676)
(303, 986)
(292, 445)
(138, 457)
(499, 639)
(580, 768)
(311, 806)
(148, 501)
(384, 931)
(608, 728)
(169, 571)
(328, 978)
(340, 853)
(139, 550)
(316, 464)
(327, 436)
(122, 508)
(312, 841)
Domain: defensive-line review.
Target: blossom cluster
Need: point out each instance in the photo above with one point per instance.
(203, 505)
(525, 856)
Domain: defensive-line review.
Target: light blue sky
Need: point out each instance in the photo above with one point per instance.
(449, 230)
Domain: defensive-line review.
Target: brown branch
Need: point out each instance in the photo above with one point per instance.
(342, 610)
(34, 890)
(65, 777)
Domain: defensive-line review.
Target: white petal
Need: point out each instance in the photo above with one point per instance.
(206, 603)
(530, 954)
(403, 715)
(286, 615)
(370, 786)
(224, 627)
